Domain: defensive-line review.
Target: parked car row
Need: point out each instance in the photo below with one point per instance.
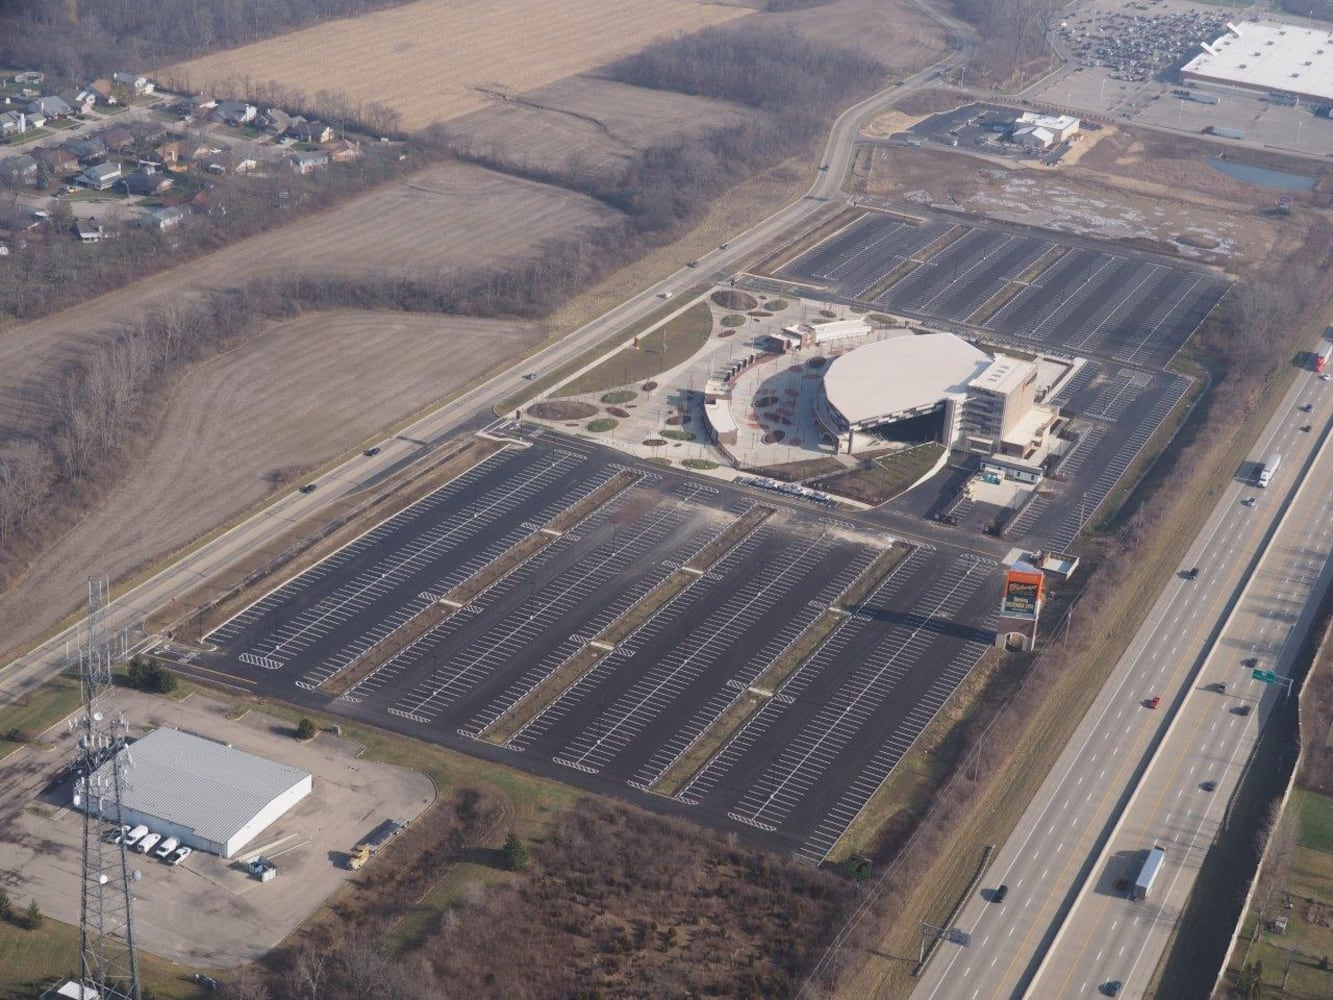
(143, 840)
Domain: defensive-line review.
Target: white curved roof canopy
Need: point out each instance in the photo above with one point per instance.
(901, 375)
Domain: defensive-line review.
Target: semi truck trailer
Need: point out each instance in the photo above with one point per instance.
(1152, 865)
(1267, 470)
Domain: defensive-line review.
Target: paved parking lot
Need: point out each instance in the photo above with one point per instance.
(1132, 309)
(838, 725)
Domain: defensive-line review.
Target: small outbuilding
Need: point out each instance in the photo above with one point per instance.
(208, 795)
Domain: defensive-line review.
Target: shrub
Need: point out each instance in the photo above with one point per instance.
(514, 853)
(147, 674)
(305, 729)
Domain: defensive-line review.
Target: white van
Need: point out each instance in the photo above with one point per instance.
(136, 835)
(167, 846)
(148, 843)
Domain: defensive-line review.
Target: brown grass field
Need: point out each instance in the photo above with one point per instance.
(427, 60)
(294, 397)
(449, 216)
(594, 123)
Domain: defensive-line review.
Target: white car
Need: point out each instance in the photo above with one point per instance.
(116, 834)
(136, 835)
(179, 855)
(1326, 376)
(148, 842)
(166, 847)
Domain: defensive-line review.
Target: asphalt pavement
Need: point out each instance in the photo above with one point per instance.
(471, 411)
(1064, 929)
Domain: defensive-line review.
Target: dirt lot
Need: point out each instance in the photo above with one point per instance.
(302, 393)
(207, 913)
(1125, 187)
(430, 60)
(427, 224)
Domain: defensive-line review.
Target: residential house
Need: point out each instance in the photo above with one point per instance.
(89, 149)
(16, 170)
(133, 82)
(145, 184)
(344, 151)
(36, 119)
(89, 231)
(117, 137)
(276, 119)
(12, 123)
(304, 131)
(50, 107)
(306, 163)
(244, 164)
(235, 113)
(100, 177)
(164, 218)
(82, 101)
(105, 91)
(175, 151)
(58, 162)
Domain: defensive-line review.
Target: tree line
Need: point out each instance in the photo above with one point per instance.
(79, 39)
(612, 902)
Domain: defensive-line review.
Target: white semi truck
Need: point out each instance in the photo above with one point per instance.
(1269, 467)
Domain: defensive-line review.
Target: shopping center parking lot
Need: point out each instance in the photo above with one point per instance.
(792, 779)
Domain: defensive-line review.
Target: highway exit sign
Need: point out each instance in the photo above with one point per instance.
(1266, 676)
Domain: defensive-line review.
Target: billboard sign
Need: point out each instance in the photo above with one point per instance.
(1022, 593)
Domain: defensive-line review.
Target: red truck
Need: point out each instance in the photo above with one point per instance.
(1319, 361)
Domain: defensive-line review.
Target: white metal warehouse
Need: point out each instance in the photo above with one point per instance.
(211, 796)
(1268, 57)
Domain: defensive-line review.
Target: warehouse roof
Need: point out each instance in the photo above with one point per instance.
(901, 375)
(208, 787)
(1277, 57)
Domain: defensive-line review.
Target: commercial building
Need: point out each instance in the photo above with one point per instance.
(1268, 58)
(800, 335)
(210, 796)
(934, 387)
(1044, 131)
(908, 388)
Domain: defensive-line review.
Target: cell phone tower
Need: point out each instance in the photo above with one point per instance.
(108, 962)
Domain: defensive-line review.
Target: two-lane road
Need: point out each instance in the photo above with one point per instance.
(471, 411)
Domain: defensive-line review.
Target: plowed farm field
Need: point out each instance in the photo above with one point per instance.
(247, 423)
(436, 59)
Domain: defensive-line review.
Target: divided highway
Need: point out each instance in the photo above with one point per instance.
(1065, 929)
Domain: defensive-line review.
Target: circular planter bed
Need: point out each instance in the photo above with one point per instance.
(616, 411)
(828, 314)
(698, 463)
(561, 409)
(773, 437)
(765, 401)
(648, 386)
(619, 396)
(777, 305)
(759, 313)
(678, 435)
(817, 362)
(602, 426)
(732, 299)
(654, 443)
(726, 333)
(732, 320)
(675, 420)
